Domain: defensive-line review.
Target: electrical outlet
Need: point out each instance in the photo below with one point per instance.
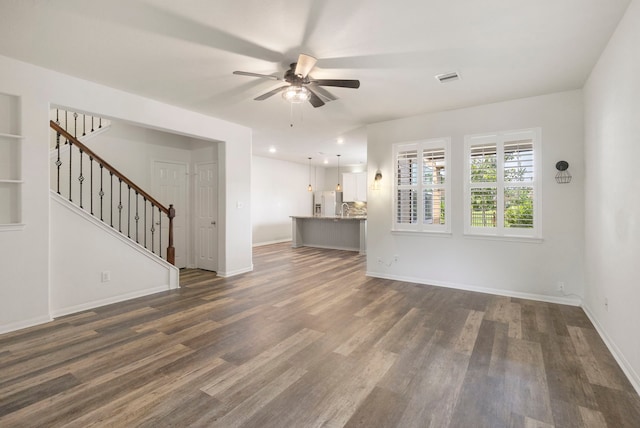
(106, 276)
(561, 286)
(606, 304)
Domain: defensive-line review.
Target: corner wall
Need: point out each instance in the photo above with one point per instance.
(612, 205)
(278, 190)
(509, 267)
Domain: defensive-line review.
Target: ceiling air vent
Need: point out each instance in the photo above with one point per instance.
(448, 77)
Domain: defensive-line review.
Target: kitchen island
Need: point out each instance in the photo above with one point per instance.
(340, 233)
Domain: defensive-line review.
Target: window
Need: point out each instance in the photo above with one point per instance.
(501, 186)
(421, 186)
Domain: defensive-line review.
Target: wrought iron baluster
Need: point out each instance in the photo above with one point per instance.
(84, 124)
(80, 178)
(144, 207)
(120, 206)
(58, 161)
(100, 122)
(111, 195)
(137, 218)
(91, 182)
(159, 231)
(153, 227)
(101, 193)
(66, 123)
(70, 175)
(129, 212)
(91, 123)
(75, 124)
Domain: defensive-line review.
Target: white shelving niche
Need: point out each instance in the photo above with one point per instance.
(10, 164)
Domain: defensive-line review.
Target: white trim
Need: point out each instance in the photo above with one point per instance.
(494, 291)
(235, 272)
(10, 227)
(277, 241)
(627, 368)
(19, 325)
(108, 301)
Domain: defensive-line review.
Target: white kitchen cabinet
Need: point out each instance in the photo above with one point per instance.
(354, 185)
(10, 162)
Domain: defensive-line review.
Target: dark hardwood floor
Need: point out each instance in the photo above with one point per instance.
(306, 340)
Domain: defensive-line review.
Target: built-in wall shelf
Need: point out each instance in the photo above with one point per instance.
(10, 164)
(17, 137)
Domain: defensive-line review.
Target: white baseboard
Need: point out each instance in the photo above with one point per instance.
(224, 274)
(628, 370)
(278, 241)
(19, 325)
(495, 291)
(103, 302)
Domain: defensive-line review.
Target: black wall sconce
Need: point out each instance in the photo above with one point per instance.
(563, 176)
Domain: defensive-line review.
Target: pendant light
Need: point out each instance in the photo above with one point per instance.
(338, 187)
(310, 189)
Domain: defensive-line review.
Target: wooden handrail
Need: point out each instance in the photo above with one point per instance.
(170, 212)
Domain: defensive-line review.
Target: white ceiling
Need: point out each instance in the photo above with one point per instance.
(184, 53)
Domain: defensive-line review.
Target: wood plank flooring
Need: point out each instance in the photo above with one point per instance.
(307, 340)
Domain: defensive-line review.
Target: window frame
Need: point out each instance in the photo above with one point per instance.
(421, 227)
(501, 139)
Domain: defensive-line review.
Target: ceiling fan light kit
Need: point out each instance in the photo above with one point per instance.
(301, 87)
(296, 94)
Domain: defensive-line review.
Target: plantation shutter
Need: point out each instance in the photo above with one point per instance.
(406, 206)
(420, 186)
(501, 189)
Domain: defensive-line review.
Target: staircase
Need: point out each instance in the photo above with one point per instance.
(85, 179)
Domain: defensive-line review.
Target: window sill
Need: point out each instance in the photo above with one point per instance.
(525, 239)
(421, 233)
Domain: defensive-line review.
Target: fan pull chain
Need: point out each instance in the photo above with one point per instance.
(291, 115)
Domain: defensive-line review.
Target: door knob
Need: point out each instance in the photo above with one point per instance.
(213, 223)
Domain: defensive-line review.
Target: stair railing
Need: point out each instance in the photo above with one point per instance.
(101, 192)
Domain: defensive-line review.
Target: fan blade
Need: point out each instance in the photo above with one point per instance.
(266, 76)
(314, 99)
(355, 84)
(271, 93)
(305, 64)
(323, 93)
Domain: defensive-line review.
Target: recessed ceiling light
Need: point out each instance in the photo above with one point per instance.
(340, 140)
(326, 161)
(272, 149)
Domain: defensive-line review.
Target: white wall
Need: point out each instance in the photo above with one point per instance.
(514, 268)
(24, 255)
(612, 205)
(278, 190)
(83, 248)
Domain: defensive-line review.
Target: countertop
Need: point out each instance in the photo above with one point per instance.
(354, 217)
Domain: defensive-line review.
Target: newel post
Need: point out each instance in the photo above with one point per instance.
(171, 251)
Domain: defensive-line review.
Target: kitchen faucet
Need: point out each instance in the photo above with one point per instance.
(342, 209)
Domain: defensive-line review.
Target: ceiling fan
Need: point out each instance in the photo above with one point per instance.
(301, 87)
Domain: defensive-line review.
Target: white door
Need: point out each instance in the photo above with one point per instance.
(207, 216)
(170, 187)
